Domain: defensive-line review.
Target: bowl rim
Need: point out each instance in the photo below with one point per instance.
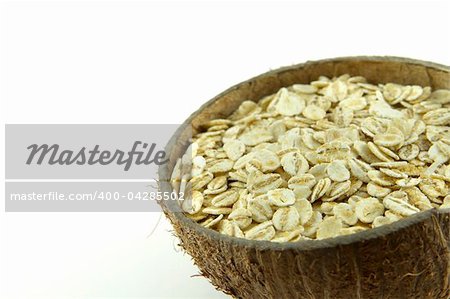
(366, 235)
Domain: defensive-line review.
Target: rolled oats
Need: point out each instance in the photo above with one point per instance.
(329, 228)
(313, 161)
(380, 178)
(337, 189)
(266, 182)
(260, 208)
(304, 209)
(393, 173)
(256, 136)
(321, 188)
(304, 88)
(376, 190)
(281, 197)
(230, 228)
(234, 149)
(222, 165)
(327, 208)
(359, 169)
(268, 159)
(307, 180)
(198, 165)
(193, 204)
(263, 231)
(397, 202)
(392, 216)
(418, 199)
(345, 213)
(319, 171)
(368, 209)
(310, 227)
(382, 153)
(381, 220)
(388, 139)
(294, 163)
(288, 103)
(409, 152)
(198, 217)
(314, 112)
(355, 103)
(352, 230)
(210, 222)
(217, 185)
(217, 210)
(408, 182)
(226, 198)
(337, 171)
(286, 236)
(286, 218)
(241, 216)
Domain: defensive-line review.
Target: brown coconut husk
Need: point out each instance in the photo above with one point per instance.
(407, 259)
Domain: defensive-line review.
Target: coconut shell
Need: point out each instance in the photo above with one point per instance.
(409, 258)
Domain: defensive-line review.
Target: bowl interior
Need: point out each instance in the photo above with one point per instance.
(374, 69)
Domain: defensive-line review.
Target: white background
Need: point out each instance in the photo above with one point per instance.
(149, 62)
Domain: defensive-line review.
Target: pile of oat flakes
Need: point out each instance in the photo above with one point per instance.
(319, 160)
